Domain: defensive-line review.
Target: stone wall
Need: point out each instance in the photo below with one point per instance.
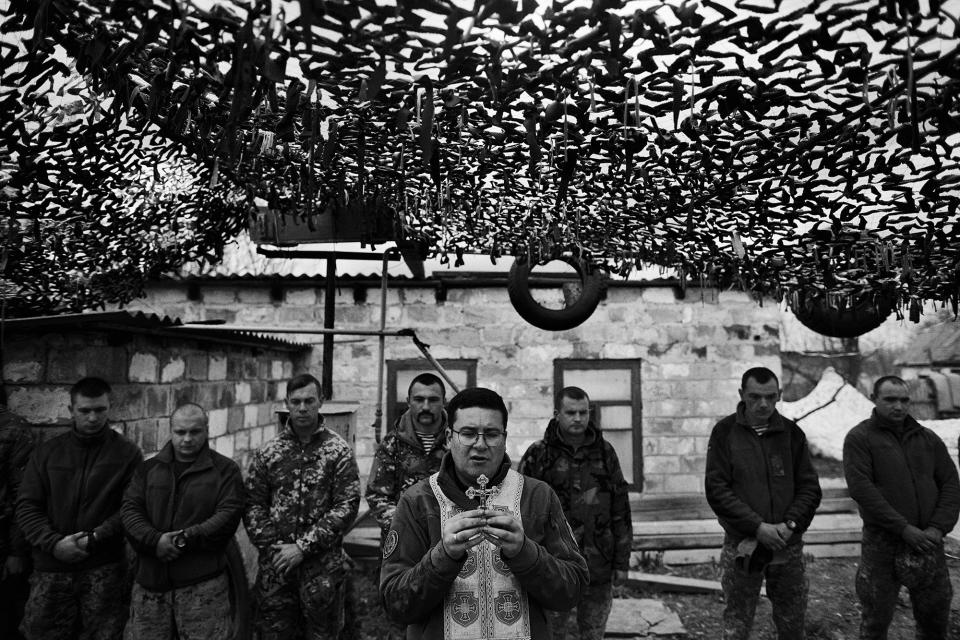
(693, 352)
(240, 386)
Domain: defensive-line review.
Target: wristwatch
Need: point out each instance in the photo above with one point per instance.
(791, 525)
(180, 540)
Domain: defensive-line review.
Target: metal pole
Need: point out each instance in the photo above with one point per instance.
(329, 309)
(378, 415)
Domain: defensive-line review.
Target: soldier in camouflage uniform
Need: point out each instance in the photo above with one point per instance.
(908, 492)
(303, 491)
(16, 443)
(762, 485)
(68, 508)
(410, 452)
(402, 459)
(583, 468)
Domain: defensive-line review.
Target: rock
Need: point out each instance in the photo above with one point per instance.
(642, 617)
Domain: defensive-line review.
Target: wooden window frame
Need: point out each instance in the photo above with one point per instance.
(636, 402)
(395, 366)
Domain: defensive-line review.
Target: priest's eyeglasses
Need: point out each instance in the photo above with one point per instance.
(469, 437)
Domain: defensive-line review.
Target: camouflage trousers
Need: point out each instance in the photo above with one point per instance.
(593, 609)
(786, 589)
(878, 588)
(87, 605)
(308, 606)
(198, 612)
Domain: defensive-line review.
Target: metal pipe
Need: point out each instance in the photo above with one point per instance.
(329, 314)
(401, 333)
(378, 414)
(425, 350)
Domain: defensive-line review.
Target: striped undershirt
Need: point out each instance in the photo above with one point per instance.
(427, 440)
(760, 429)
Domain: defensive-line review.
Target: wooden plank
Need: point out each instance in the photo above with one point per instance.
(703, 540)
(673, 584)
(704, 556)
(646, 507)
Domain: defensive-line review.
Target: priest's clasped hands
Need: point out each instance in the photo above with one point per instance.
(468, 529)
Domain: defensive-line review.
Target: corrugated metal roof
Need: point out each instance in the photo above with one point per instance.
(936, 345)
(241, 261)
(138, 321)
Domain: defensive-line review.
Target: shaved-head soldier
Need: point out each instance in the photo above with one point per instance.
(180, 512)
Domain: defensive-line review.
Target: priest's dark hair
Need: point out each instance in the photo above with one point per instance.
(477, 397)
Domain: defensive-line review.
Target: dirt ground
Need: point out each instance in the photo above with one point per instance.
(832, 614)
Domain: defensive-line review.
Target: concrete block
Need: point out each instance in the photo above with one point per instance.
(225, 395)
(300, 316)
(159, 401)
(144, 433)
(258, 316)
(66, 366)
(241, 441)
(128, 402)
(675, 370)
(173, 370)
(281, 391)
(693, 463)
(242, 392)
(143, 368)
(276, 369)
(251, 368)
(218, 422)
(226, 315)
(253, 296)
(258, 391)
(235, 417)
(163, 433)
(251, 413)
(256, 437)
(198, 366)
(265, 413)
(661, 464)
(217, 369)
(219, 295)
(23, 371)
(683, 483)
(678, 446)
(263, 369)
(224, 445)
(300, 297)
(40, 405)
(269, 432)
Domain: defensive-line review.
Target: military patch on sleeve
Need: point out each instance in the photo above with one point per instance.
(390, 544)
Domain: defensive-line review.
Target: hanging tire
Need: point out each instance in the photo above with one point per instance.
(864, 314)
(592, 288)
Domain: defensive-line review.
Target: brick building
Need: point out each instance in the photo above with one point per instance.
(153, 365)
(660, 363)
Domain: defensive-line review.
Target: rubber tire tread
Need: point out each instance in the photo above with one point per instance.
(518, 287)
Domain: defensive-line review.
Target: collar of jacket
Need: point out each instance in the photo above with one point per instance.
(407, 432)
(553, 438)
(90, 439)
(203, 460)
(775, 423)
(909, 424)
(454, 489)
(288, 432)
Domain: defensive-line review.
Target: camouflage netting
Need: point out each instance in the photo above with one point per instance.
(795, 148)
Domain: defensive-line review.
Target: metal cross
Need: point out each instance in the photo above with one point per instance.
(483, 494)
